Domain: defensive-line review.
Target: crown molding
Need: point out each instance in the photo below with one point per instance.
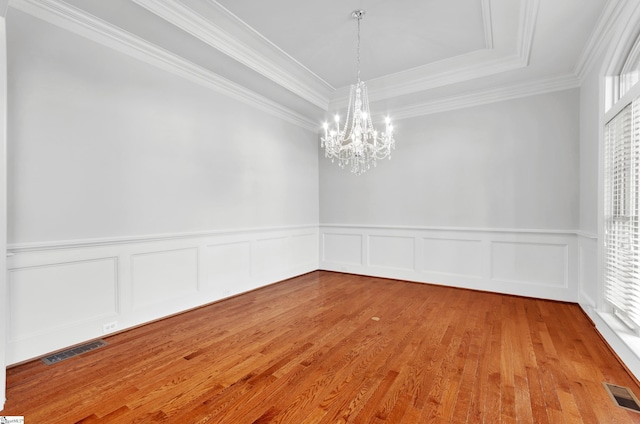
(600, 36)
(487, 24)
(84, 24)
(275, 65)
(528, 19)
(478, 69)
(478, 64)
(478, 98)
(398, 85)
(281, 68)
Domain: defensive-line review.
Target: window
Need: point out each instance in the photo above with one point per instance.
(630, 73)
(622, 195)
(622, 231)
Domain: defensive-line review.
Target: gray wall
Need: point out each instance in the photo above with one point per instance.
(513, 165)
(103, 145)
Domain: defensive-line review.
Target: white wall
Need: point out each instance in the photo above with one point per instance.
(590, 132)
(134, 193)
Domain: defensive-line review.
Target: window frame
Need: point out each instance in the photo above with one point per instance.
(621, 211)
(611, 104)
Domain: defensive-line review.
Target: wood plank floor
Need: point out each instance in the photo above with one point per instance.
(328, 348)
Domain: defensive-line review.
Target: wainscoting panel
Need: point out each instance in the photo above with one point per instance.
(164, 276)
(270, 255)
(453, 256)
(304, 250)
(536, 263)
(392, 252)
(521, 262)
(228, 268)
(66, 293)
(55, 303)
(343, 249)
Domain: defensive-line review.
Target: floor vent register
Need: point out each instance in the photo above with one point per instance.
(623, 397)
(74, 351)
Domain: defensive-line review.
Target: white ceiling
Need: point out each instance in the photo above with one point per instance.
(409, 47)
(395, 35)
(417, 55)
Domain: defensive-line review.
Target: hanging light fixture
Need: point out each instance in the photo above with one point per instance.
(357, 145)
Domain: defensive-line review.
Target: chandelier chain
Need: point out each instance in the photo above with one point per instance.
(359, 17)
(357, 144)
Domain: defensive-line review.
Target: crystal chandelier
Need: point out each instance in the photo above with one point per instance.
(358, 145)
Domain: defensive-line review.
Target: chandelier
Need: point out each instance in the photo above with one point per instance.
(357, 145)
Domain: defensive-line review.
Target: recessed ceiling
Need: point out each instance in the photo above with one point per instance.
(395, 36)
(409, 47)
(297, 58)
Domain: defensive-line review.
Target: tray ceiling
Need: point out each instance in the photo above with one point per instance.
(396, 36)
(299, 57)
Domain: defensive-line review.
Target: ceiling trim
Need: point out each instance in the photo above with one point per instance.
(277, 65)
(487, 24)
(86, 25)
(600, 36)
(528, 19)
(380, 89)
(478, 98)
(478, 64)
(289, 73)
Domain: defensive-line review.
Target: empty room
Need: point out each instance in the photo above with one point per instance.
(241, 211)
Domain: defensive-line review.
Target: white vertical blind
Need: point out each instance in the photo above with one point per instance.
(622, 200)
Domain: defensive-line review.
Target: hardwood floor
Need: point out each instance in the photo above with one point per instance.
(327, 348)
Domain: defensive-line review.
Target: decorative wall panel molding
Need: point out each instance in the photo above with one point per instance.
(228, 268)
(536, 263)
(392, 252)
(532, 263)
(342, 249)
(70, 292)
(454, 257)
(160, 276)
